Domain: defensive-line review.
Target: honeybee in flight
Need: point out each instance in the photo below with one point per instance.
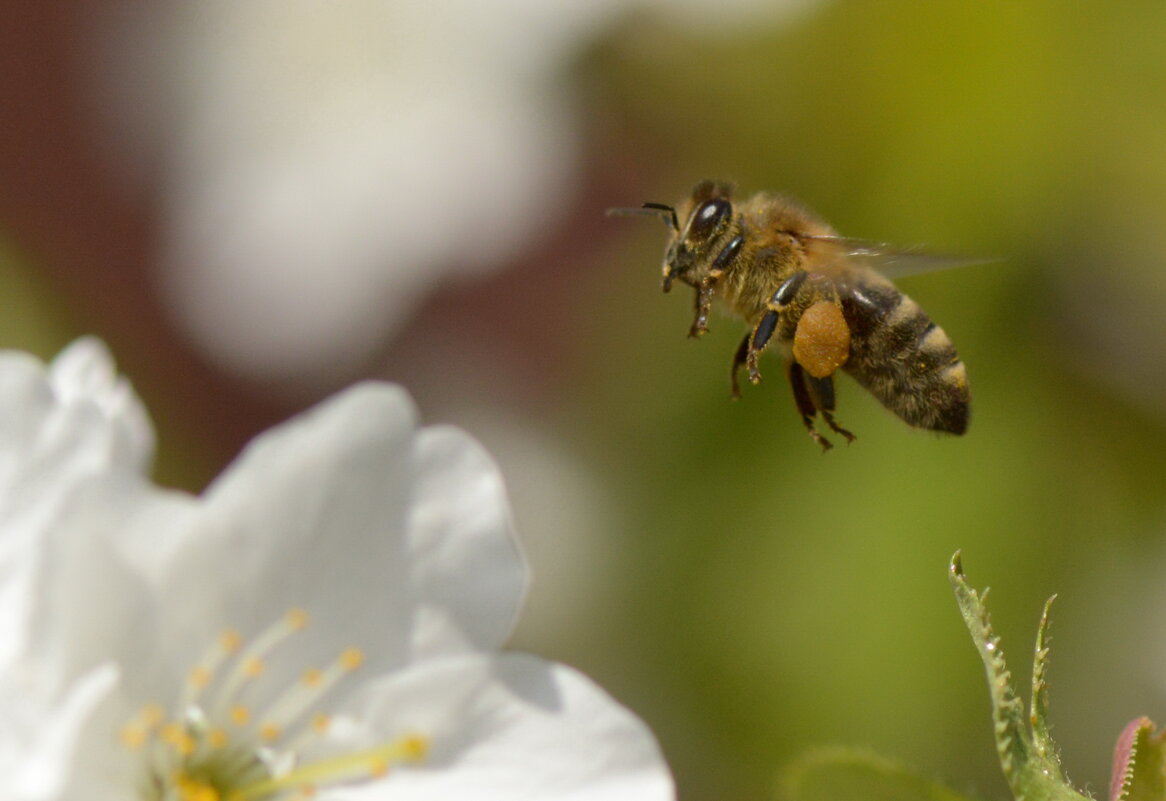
(793, 279)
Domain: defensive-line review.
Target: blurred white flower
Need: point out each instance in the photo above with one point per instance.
(328, 163)
(323, 621)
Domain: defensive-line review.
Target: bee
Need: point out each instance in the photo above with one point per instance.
(795, 281)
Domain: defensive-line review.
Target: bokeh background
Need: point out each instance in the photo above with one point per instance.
(259, 203)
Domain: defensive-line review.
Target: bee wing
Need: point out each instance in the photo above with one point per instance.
(889, 260)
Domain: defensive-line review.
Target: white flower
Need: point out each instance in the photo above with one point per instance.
(328, 164)
(323, 620)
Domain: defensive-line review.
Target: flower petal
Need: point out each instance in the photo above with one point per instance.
(86, 381)
(509, 728)
(39, 738)
(467, 566)
(316, 515)
(70, 425)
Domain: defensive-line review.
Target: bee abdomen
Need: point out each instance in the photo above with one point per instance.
(905, 360)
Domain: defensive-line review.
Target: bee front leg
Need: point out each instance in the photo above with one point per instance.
(805, 402)
(703, 305)
(822, 390)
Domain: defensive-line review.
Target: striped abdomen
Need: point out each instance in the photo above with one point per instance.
(904, 359)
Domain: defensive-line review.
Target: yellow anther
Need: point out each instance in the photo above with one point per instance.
(200, 677)
(378, 768)
(352, 658)
(254, 667)
(240, 715)
(192, 790)
(270, 732)
(172, 733)
(230, 640)
(133, 736)
(296, 618)
(321, 722)
(136, 732)
(312, 677)
(152, 715)
(414, 747)
(217, 738)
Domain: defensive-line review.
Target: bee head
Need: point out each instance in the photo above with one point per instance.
(707, 215)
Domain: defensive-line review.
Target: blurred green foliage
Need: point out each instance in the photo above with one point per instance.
(780, 599)
(34, 319)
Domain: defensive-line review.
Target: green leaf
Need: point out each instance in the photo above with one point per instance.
(840, 774)
(1027, 755)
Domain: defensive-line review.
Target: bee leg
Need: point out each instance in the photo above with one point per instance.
(704, 303)
(757, 339)
(768, 322)
(789, 287)
(822, 390)
(739, 360)
(805, 403)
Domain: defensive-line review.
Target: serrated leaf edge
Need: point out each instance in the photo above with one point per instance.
(1027, 753)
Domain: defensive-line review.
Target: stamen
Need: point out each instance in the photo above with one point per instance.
(203, 673)
(135, 733)
(313, 684)
(176, 735)
(191, 790)
(371, 763)
(250, 663)
(228, 751)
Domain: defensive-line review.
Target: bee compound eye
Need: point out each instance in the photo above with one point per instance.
(708, 217)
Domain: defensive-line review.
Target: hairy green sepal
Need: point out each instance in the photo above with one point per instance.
(1027, 753)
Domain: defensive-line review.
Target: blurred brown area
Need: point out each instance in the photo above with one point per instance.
(95, 239)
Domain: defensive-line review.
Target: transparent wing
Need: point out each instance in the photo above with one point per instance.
(889, 260)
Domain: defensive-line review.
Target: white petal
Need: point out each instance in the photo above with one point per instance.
(38, 738)
(511, 728)
(61, 428)
(315, 515)
(466, 561)
(86, 380)
(89, 604)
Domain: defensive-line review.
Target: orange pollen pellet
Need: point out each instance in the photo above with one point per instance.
(822, 339)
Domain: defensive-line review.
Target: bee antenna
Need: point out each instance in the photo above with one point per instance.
(665, 213)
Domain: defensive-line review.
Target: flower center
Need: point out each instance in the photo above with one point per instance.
(212, 746)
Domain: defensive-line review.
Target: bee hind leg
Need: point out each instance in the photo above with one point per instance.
(822, 390)
(806, 403)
